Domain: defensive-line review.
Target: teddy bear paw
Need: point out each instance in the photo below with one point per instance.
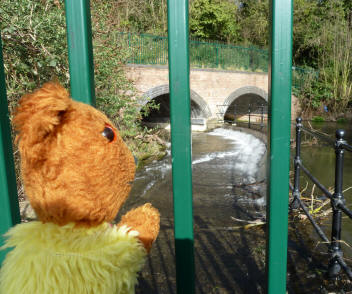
(145, 220)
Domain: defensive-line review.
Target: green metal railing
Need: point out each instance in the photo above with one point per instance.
(150, 49)
(82, 85)
(280, 81)
(181, 150)
(153, 50)
(9, 214)
(80, 52)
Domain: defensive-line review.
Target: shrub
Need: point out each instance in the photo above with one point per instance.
(318, 119)
(341, 120)
(34, 45)
(35, 51)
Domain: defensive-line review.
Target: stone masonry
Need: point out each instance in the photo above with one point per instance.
(209, 88)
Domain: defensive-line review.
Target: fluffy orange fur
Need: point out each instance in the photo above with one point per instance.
(71, 172)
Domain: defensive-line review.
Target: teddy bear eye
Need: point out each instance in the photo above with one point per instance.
(109, 133)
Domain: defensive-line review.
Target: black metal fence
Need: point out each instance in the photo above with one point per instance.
(253, 116)
(337, 199)
(257, 116)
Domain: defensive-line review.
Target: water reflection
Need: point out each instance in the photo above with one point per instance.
(320, 161)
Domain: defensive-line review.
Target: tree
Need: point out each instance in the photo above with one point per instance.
(214, 20)
(322, 39)
(253, 21)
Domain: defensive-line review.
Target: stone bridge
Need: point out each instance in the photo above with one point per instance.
(214, 93)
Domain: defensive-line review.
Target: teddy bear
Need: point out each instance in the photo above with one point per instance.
(77, 173)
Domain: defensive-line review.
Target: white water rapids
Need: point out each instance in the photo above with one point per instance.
(247, 149)
(233, 151)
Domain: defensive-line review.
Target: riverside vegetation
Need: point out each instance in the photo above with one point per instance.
(322, 31)
(34, 47)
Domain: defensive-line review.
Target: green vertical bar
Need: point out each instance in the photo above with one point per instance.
(129, 41)
(280, 65)
(140, 49)
(143, 51)
(217, 56)
(158, 51)
(9, 213)
(181, 143)
(156, 54)
(80, 52)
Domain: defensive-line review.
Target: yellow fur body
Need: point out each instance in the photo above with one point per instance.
(47, 258)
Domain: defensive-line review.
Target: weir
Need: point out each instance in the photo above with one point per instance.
(279, 93)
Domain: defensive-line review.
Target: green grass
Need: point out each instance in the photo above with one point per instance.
(341, 120)
(318, 119)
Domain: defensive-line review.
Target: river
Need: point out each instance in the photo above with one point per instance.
(226, 185)
(320, 161)
(228, 192)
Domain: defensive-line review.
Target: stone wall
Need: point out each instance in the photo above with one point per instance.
(213, 86)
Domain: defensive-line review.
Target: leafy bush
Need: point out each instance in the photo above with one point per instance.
(213, 19)
(116, 95)
(322, 39)
(35, 51)
(318, 119)
(34, 45)
(341, 120)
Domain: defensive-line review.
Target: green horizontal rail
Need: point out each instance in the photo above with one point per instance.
(153, 50)
(9, 214)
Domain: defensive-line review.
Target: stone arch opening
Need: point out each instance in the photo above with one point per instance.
(240, 101)
(160, 96)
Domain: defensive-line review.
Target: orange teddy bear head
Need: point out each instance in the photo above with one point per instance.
(75, 166)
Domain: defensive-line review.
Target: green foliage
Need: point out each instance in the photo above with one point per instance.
(34, 41)
(308, 22)
(314, 93)
(115, 93)
(35, 51)
(34, 46)
(318, 119)
(341, 120)
(140, 16)
(253, 20)
(213, 19)
(322, 39)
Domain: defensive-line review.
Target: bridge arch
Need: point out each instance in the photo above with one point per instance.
(237, 103)
(199, 108)
(248, 90)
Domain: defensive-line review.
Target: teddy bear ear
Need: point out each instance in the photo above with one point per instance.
(37, 116)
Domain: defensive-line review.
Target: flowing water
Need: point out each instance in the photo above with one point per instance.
(228, 184)
(225, 169)
(229, 187)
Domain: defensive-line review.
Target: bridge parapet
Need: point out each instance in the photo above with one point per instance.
(153, 50)
(209, 88)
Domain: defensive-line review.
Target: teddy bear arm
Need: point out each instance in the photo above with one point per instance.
(146, 221)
